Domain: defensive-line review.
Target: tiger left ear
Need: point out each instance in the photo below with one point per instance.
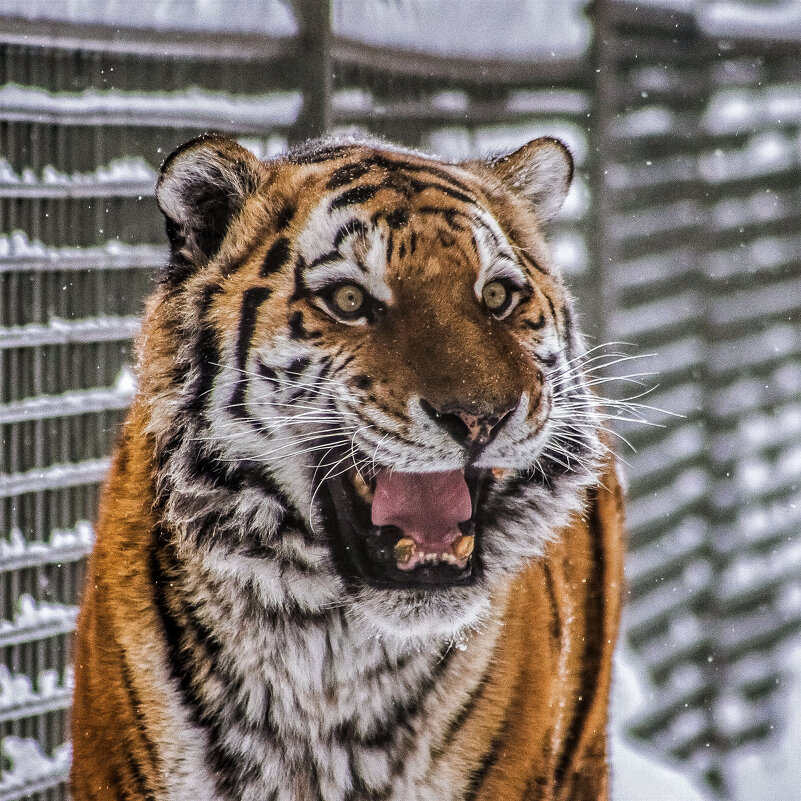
(202, 186)
(540, 171)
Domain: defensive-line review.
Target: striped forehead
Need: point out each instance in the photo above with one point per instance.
(496, 255)
(339, 244)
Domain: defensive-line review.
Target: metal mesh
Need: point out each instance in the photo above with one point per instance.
(700, 264)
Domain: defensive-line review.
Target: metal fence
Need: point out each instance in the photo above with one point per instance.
(698, 247)
(691, 250)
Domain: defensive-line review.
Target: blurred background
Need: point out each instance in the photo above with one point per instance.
(681, 238)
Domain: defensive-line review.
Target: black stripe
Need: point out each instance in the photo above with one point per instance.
(251, 302)
(456, 194)
(350, 228)
(135, 769)
(449, 215)
(316, 155)
(346, 174)
(136, 705)
(535, 325)
(326, 258)
(226, 768)
(300, 284)
(467, 709)
(267, 372)
(358, 194)
(552, 308)
(532, 262)
(398, 218)
(550, 591)
(400, 164)
(231, 267)
(205, 354)
(277, 256)
(479, 774)
(400, 719)
(594, 613)
(297, 330)
(283, 216)
(298, 366)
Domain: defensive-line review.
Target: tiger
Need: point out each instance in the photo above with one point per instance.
(362, 534)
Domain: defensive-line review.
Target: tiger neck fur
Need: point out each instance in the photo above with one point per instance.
(297, 698)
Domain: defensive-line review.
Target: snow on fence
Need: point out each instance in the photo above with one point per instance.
(697, 180)
(680, 235)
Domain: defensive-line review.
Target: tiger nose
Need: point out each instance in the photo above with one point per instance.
(468, 428)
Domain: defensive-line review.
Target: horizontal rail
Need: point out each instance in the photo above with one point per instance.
(18, 254)
(64, 547)
(67, 404)
(37, 705)
(165, 44)
(91, 471)
(69, 332)
(14, 791)
(190, 108)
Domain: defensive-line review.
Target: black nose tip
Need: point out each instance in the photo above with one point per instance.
(471, 429)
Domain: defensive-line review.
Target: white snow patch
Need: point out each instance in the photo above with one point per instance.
(772, 770)
(637, 774)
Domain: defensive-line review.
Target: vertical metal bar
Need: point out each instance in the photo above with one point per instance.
(600, 298)
(315, 68)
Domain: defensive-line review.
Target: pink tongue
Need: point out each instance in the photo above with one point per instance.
(426, 506)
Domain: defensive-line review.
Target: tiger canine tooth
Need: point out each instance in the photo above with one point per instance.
(405, 548)
(362, 487)
(463, 547)
(502, 472)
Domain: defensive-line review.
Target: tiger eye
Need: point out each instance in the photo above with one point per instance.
(495, 295)
(348, 298)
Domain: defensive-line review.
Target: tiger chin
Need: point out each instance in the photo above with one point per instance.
(361, 538)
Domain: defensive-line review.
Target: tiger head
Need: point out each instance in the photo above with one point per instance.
(365, 377)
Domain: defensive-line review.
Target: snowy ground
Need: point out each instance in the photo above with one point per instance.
(768, 772)
(638, 774)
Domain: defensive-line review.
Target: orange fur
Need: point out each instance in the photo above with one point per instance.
(523, 712)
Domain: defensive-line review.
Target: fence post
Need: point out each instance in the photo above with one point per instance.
(601, 104)
(315, 66)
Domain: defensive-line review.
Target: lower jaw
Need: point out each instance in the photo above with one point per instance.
(365, 554)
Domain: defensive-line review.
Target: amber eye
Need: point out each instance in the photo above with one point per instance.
(495, 296)
(348, 299)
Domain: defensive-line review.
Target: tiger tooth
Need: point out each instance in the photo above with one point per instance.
(463, 547)
(502, 472)
(405, 548)
(361, 486)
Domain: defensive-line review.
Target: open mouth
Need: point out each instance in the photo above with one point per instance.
(408, 530)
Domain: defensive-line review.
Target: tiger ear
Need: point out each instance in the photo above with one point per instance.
(202, 186)
(540, 171)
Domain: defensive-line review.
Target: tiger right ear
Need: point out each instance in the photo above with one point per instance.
(540, 171)
(202, 186)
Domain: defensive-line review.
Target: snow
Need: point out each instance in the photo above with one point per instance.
(776, 20)
(16, 689)
(190, 107)
(469, 28)
(637, 773)
(63, 546)
(30, 766)
(773, 770)
(272, 17)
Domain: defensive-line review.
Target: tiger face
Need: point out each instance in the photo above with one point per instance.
(377, 388)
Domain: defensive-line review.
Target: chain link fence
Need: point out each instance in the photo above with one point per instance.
(680, 235)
